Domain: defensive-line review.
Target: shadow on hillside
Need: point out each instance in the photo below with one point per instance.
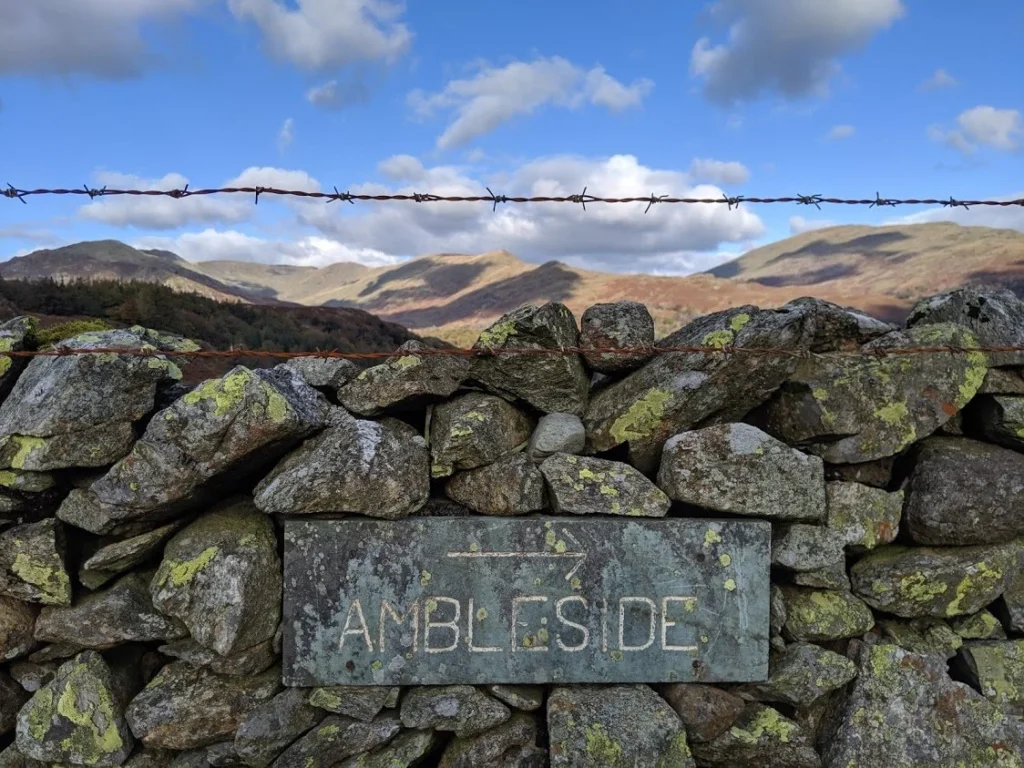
(822, 275)
(1011, 279)
(439, 279)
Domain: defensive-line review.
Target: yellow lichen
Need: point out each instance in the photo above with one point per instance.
(718, 339)
(96, 736)
(730, 585)
(406, 362)
(739, 321)
(497, 334)
(226, 393)
(23, 447)
(601, 747)
(49, 578)
(182, 573)
(767, 722)
(711, 537)
(642, 418)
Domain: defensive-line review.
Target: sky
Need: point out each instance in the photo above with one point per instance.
(845, 98)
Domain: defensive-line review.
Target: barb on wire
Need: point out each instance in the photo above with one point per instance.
(345, 196)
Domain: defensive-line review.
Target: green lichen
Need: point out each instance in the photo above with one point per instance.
(980, 578)
(497, 334)
(974, 376)
(376, 665)
(730, 585)
(897, 415)
(642, 418)
(40, 714)
(8, 478)
(90, 707)
(425, 578)
(718, 339)
(607, 490)
(182, 573)
(277, 407)
(819, 393)
(5, 364)
(768, 723)
(406, 362)
(226, 393)
(711, 537)
(48, 576)
(738, 322)
(23, 447)
(725, 560)
(917, 588)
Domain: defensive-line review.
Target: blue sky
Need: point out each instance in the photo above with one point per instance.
(752, 97)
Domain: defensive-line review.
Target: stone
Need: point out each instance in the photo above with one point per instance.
(830, 577)
(76, 718)
(904, 711)
(150, 758)
(858, 408)
(460, 708)
(583, 485)
(27, 497)
(706, 711)
(193, 758)
(527, 698)
(271, 727)
(408, 381)
(525, 757)
(358, 702)
(32, 567)
(31, 676)
(739, 469)
(438, 506)
(679, 391)
(877, 474)
(78, 410)
(12, 758)
(17, 624)
(814, 616)
(557, 433)
(965, 492)
(338, 737)
(12, 697)
(1013, 601)
(800, 675)
(996, 669)
(939, 582)
(124, 613)
(117, 557)
(863, 517)
(551, 383)
(512, 485)
(376, 468)
(16, 334)
(802, 547)
(473, 430)
(1003, 381)
(994, 316)
(491, 746)
(982, 625)
(620, 325)
(251, 661)
(226, 428)
(324, 372)
(623, 726)
(924, 635)
(761, 738)
(222, 754)
(406, 750)
(54, 652)
(165, 715)
(1001, 419)
(600, 601)
(221, 576)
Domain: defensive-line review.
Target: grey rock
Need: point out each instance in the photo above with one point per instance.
(996, 669)
(737, 468)
(776, 615)
(222, 754)
(923, 635)
(557, 433)
(31, 676)
(358, 702)
(221, 576)
(583, 485)
(802, 547)
(32, 567)
(324, 372)
(982, 625)
(551, 383)
(904, 711)
(17, 623)
(760, 738)
(706, 711)
(460, 708)
(512, 485)
(268, 730)
(77, 717)
(54, 652)
(877, 474)
(408, 749)
(192, 758)
(225, 427)
(939, 582)
(954, 427)
(800, 675)
(12, 758)
(527, 698)
(119, 556)
(623, 726)
(490, 747)
(831, 577)
(994, 316)
(525, 757)
(12, 697)
(815, 616)
(338, 737)
(16, 334)
(473, 430)
(251, 661)
(1013, 600)
(1003, 381)
(376, 468)
(1001, 419)
(438, 506)
(965, 492)
(150, 758)
(616, 326)
(410, 380)
(863, 517)
(123, 613)
(165, 713)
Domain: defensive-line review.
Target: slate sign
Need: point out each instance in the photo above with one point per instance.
(426, 601)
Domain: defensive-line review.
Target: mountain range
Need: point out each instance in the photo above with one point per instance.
(879, 270)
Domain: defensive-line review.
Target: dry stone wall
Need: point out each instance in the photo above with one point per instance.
(141, 537)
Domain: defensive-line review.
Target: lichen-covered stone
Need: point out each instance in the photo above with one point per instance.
(491, 746)
(1013, 601)
(1000, 419)
(460, 708)
(527, 698)
(12, 697)
(359, 702)
(1003, 381)
(473, 430)
(830, 577)
(802, 547)
(250, 661)
(17, 623)
(119, 556)
(224, 428)
(815, 615)
(622, 726)
(28, 497)
(982, 625)
(76, 718)
(551, 383)
(222, 755)
(706, 711)
(940, 582)
(268, 730)
(376, 468)
(150, 758)
(12, 758)
(405, 751)
(739, 469)
(324, 372)
(512, 485)
(167, 714)
(862, 516)
(800, 675)
(620, 325)
(32, 563)
(923, 635)
(31, 676)
(857, 408)
(557, 433)
(997, 670)
(407, 381)
(965, 492)
(54, 652)
(221, 576)
(124, 613)
(904, 711)
(760, 738)
(338, 737)
(583, 485)
(16, 334)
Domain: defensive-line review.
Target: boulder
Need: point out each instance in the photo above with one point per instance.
(996, 669)
(32, 564)
(814, 616)
(12, 697)
(250, 661)
(982, 625)
(1001, 419)
(760, 738)
(336, 738)
(512, 485)
(17, 624)
(706, 711)
(491, 746)
(460, 708)
(324, 372)
(527, 698)
(800, 675)
(923, 635)
(583, 485)
(621, 325)
(473, 430)
(406, 750)
(362, 703)
(268, 729)
(16, 334)
(114, 558)
(557, 433)
(861, 516)
(802, 547)
(994, 316)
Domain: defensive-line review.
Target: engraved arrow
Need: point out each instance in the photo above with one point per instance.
(580, 557)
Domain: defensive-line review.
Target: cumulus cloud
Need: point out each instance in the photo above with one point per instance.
(841, 132)
(495, 95)
(983, 125)
(998, 217)
(787, 46)
(940, 79)
(719, 172)
(320, 35)
(798, 224)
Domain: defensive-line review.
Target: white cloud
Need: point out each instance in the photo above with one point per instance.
(940, 79)
(335, 94)
(998, 217)
(798, 224)
(788, 46)
(286, 135)
(101, 38)
(983, 125)
(321, 35)
(495, 95)
(719, 172)
(841, 132)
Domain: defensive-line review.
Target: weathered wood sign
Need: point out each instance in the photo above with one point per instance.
(525, 600)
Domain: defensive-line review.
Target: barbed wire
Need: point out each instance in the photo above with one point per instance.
(730, 201)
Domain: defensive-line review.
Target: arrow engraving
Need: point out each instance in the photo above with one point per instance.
(580, 557)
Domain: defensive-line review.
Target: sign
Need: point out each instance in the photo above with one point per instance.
(475, 600)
